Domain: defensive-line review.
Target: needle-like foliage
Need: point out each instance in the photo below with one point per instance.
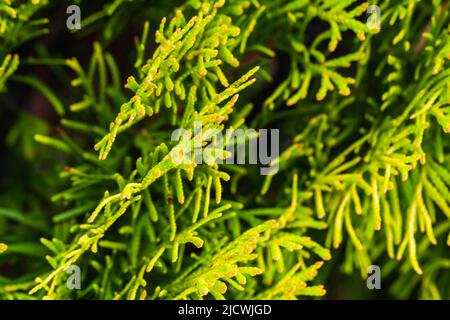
(364, 170)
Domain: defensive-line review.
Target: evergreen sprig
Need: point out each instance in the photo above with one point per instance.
(363, 169)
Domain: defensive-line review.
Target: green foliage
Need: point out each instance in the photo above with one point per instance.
(364, 171)
(16, 28)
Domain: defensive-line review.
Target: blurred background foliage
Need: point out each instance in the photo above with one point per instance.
(291, 52)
